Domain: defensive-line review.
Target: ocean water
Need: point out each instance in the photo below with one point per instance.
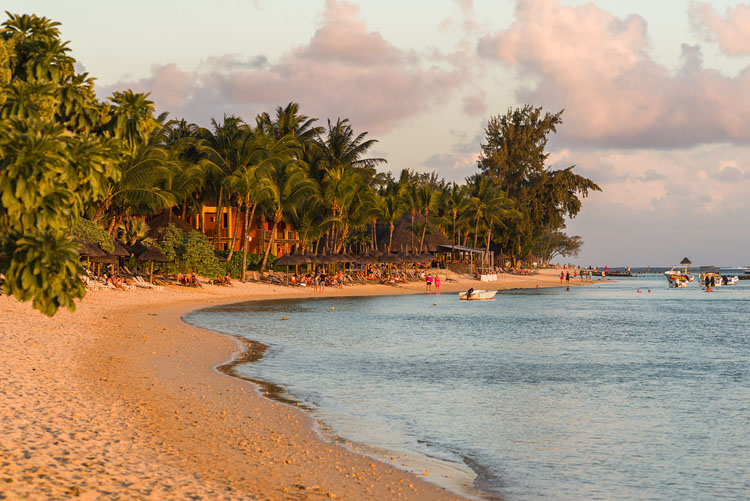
(600, 392)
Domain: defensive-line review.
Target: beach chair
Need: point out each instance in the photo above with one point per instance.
(140, 282)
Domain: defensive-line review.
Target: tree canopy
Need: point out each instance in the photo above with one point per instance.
(66, 156)
(514, 157)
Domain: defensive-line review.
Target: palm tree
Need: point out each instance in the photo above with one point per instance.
(220, 146)
(144, 166)
(257, 153)
(489, 204)
(390, 211)
(426, 201)
(455, 201)
(283, 184)
(408, 192)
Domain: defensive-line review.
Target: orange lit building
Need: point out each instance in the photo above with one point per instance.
(258, 236)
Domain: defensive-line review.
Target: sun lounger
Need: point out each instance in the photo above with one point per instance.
(140, 282)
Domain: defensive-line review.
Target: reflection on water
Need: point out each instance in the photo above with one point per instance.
(594, 392)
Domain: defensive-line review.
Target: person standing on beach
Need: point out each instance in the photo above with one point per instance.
(428, 282)
(316, 282)
(562, 275)
(437, 285)
(567, 277)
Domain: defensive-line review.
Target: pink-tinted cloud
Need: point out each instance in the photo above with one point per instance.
(344, 71)
(731, 32)
(598, 68)
(474, 104)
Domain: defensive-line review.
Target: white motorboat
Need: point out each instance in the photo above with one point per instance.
(679, 276)
(714, 279)
(476, 295)
(733, 280)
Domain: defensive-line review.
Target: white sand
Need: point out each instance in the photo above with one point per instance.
(120, 400)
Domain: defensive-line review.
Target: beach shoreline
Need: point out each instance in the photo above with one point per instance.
(124, 397)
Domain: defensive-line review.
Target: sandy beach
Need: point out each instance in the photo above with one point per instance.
(121, 400)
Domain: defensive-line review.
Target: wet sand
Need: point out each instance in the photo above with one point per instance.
(121, 400)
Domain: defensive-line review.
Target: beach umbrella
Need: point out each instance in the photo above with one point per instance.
(153, 255)
(120, 250)
(405, 257)
(308, 257)
(426, 257)
(344, 257)
(529, 258)
(289, 259)
(365, 258)
(389, 258)
(320, 257)
(90, 250)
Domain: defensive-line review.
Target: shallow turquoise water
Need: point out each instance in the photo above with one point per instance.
(596, 392)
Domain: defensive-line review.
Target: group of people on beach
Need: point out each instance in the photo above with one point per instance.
(226, 280)
(188, 280)
(319, 280)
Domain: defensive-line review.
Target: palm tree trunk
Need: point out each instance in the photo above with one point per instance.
(390, 237)
(245, 229)
(236, 227)
(476, 232)
(424, 231)
(183, 216)
(344, 234)
(219, 208)
(453, 238)
(413, 211)
(276, 220)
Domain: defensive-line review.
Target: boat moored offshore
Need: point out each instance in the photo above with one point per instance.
(476, 295)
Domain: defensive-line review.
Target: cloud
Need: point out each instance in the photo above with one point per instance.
(453, 166)
(344, 71)
(598, 68)
(475, 104)
(729, 174)
(731, 32)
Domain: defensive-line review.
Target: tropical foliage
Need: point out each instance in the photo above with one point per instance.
(64, 156)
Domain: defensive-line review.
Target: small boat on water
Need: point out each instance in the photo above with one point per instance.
(717, 280)
(476, 295)
(679, 276)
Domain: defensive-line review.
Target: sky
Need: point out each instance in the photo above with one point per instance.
(656, 94)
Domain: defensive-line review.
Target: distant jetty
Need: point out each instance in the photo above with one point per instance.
(612, 273)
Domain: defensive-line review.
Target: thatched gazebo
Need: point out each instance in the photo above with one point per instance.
(686, 264)
(152, 255)
(160, 222)
(529, 258)
(405, 237)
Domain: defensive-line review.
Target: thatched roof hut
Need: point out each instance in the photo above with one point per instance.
(403, 236)
(389, 258)
(154, 255)
(163, 220)
(120, 250)
(529, 258)
(685, 261)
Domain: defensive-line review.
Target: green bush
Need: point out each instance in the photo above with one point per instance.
(88, 231)
(188, 253)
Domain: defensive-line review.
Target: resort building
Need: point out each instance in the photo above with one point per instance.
(230, 226)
